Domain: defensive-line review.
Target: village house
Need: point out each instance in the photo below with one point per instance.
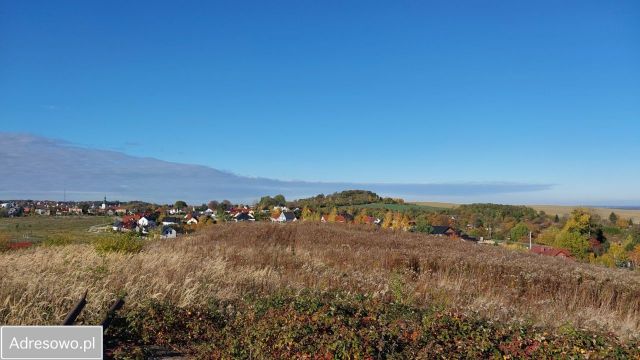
(551, 251)
(337, 218)
(447, 231)
(118, 226)
(285, 216)
(42, 211)
(145, 222)
(170, 221)
(369, 220)
(466, 237)
(168, 233)
(75, 211)
(244, 217)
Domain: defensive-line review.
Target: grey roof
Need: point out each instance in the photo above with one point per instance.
(439, 230)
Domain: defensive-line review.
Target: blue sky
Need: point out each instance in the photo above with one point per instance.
(541, 92)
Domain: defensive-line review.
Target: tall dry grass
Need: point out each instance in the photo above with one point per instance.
(38, 286)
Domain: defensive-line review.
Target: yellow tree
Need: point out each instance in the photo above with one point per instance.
(388, 220)
(332, 215)
(579, 221)
(275, 212)
(622, 223)
(204, 221)
(404, 222)
(397, 221)
(360, 218)
(548, 236)
(306, 214)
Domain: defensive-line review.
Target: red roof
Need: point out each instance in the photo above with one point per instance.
(130, 218)
(369, 219)
(20, 245)
(551, 251)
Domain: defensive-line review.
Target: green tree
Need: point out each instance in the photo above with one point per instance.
(213, 205)
(180, 204)
(266, 202)
(548, 236)
(579, 221)
(613, 217)
(423, 226)
(519, 232)
(573, 241)
(280, 200)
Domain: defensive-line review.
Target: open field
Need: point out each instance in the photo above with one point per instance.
(434, 204)
(228, 264)
(603, 212)
(40, 227)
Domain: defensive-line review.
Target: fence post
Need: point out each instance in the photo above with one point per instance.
(111, 313)
(73, 314)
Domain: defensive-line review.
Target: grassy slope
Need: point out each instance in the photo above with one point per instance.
(229, 263)
(38, 227)
(436, 204)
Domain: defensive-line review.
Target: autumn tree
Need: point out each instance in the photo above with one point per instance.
(573, 241)
(579, 221)
(548, 236)
(387, 222)
(519, 232)
(634, 256)
(622, 223)
(397, 221)
(306, 214)
(615, 256)
(331, 217)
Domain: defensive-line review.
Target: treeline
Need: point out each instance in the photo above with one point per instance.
(343, 198)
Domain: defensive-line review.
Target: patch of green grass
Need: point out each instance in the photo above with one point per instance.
(43, 228)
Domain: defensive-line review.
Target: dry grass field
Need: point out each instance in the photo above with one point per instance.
(229, 262)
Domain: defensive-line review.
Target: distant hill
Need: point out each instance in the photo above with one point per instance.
(560, 210)
(602, 211)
